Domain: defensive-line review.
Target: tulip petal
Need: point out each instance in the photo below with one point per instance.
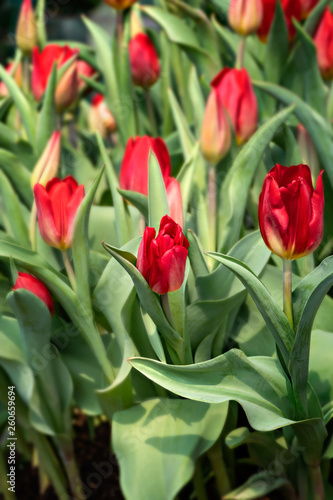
(293, 173)
(174, 197)
(173, 264)
(46, 221)
(71, 210)
(143, 260)
(316, 226)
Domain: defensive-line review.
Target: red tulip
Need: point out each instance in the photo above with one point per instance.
(291, 211)
(35, 286)
(26, 30)
(174, 196)
(245, 16)
(17, 77)
(162, 261)
(134, 168)
(101, 118)
(145, 66)
(120, 4)
(307, 6)
(57, 204)
(48, 164)
(323, 40)
(235, 92)
(291, 8)
(42, 63)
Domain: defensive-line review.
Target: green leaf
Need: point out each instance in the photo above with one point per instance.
(257, 486)
(257, 384)
(315, 16)
(27, 113)
(236, 186)
(13, 212)
(320, 131)
(47, 121)
(197, 256)
(158, 442)
(140, 201)
(307, 298)
(157, 199)
(185, 134)
(277, 46)
(121, 222)
(271, 312)
(186, 176)
(321, 366)
(80, 247)
(18, 175)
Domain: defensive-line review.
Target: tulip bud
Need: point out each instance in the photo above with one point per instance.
(215, 134)
(174, 197)
(120, 4)
(307, 150)
(292, 10)
(36, 287)
(101, 118)
(162, 261)
(48, 164)
(26, 31)
(17, 75)
(235, 92)
(67, 90)
(57, 204)
(145, 66)
(307, 6)
(291, 211)
(323, 41)
(245, 16)
(134, 168)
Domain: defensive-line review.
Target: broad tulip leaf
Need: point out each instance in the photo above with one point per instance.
(149, 300)
(307, 298)
(315, 16)
(197, 256)
(47, 122)
(186, 176)
(13, 216)
(185, 134)
(158, 205)
(257, 486)
(197, 99)
(158, 442)
(139, 200)
(17, 174)
(121, 222)
(321, 366)
(311, 435)
(271, 312)
(257, 384)
(319, 130)
(26, 111)
(236, 186)
(277, 46)
(80, 247)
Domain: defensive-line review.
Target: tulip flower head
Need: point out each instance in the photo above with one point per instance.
(162, 260)
(120, 4)
(291, 211)
(48, 164)
(245, 16)
(145, 67)
(307, 6)
(101, 118)
(42, 64)
(26, 30)
(291, 8)
(57, 204)
(36, 287)
(235, 92)
(323, 40)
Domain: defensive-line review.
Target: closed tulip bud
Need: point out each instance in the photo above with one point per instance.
(17, 75)
(145, 67)
(291, 211)
(307, 6)
(215, 133)
(162, 261)
(28, 282)
(245, 16)
(101, 118)
(26, 30)
(174, 197)
(48, 164)
(42, 64)
(120, 4)
(134, 168)
(235, 92)
(292, 10)
(323, 40)
(57, 204)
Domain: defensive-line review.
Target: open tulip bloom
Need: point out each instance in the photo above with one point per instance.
(166, 252)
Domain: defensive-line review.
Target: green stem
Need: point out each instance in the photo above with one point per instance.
(287, 290)
(151, 113)
(199, 483)
(240, 54)
(33, 227)
(317, 482)
(26, 75)
(177, 354)
(219, 468)
(73, 474)
(120, 28)
(212, 206)
(69, 269)
(167, 311)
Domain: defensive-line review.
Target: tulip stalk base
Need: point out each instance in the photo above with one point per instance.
(219, 468)
(287, 290)
(317, 483)
(67, 455)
